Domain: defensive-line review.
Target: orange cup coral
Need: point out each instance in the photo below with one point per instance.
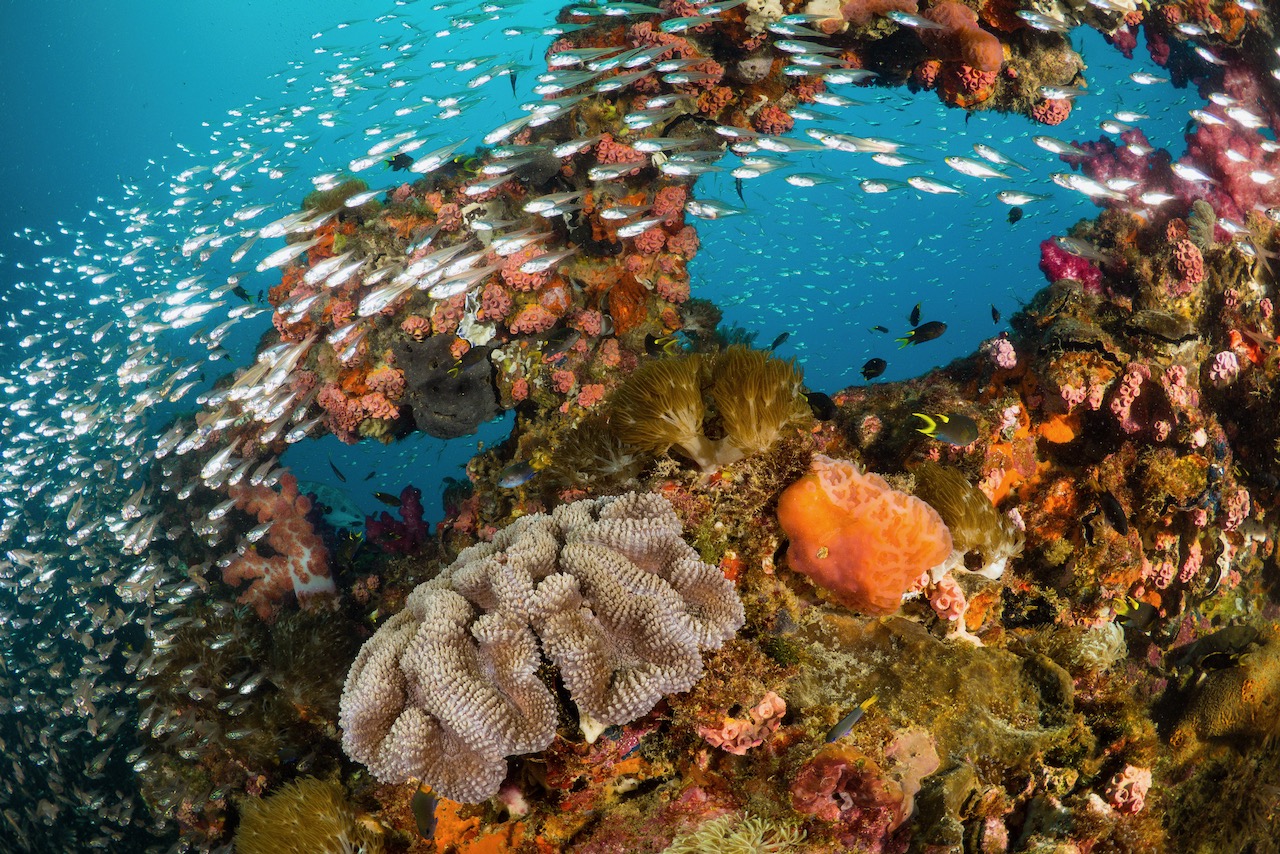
(859, 539)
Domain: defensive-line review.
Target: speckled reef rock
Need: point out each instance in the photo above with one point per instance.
(453, 684)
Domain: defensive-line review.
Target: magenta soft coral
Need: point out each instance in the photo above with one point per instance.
(1057, 263)
(404, 535)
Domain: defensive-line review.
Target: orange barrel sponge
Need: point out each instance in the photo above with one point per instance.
(859, 539)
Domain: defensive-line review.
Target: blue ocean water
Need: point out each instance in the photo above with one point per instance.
(156, 89)
(121, 106)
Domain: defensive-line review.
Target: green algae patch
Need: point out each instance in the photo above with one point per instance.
(981, 704)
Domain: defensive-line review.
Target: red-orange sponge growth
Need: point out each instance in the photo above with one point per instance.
(859, 539)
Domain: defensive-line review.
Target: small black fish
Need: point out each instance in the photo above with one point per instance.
(1015, 214)
(995, 314)
(823, 407)
(388, 499)
(924, 332)
(512, 75)
(424, 813)
(1114, 512)
(342, 477)
(954, 429)
(239, 291)
(259, 296)
(560, 340)
(915, 315)
(667, 345)
(516, 474)
(873, 368)
(845, 724)
(400, 162)
(370, 475)
(737, 185)
(779, 341)
(879, 328)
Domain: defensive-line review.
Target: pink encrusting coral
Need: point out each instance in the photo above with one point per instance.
(738, 735)
(299, 565)
(1127, 790)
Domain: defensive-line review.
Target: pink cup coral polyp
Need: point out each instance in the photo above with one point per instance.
(859, 539)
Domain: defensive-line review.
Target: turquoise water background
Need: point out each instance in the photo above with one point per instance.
(135, 92)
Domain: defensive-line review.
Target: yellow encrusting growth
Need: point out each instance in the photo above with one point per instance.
(308, 816)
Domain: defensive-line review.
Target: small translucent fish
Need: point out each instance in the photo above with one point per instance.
(623, 10)
(1082, 249)
(990, 155)
(845, 724)
(1061, 93)
(1258, 176)
(1121, 185)
(1146, 78)
(833, 99)
(953, 429)
(881, 185)
(1244, 117)
(847, 76)
(1044, 23)
(808, 179)
(1114, 127)
(847, 142)
(1190, 173)
(621, 81)
(623, 211)
(434, 160)
(1208, 56)
(551, 200)
(545, 262)
(685, 78)
(787, 145)
(974, 168)
(1129, 116)
(1019, 197)
(711, 209)
(931, 185)
(1084, 184)
(573, 146)
(1054, 145)
(283, 256)
(1139, 149)
(685, 168)
(506, 130)
(802, 47)
(1189, 29)
(612, 171)
(1205, 117)
(906, 19)
(516, 474)
(639, 227)
(895, 160)
(680, 25)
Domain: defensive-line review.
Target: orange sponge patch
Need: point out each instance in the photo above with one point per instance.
(859, 539)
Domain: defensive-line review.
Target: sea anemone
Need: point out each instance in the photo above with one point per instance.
(660, 405)
(308, 816)
(736, 834)
(757, 397)
(976, 525)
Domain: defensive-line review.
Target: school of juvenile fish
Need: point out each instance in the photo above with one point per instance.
(135, 308)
